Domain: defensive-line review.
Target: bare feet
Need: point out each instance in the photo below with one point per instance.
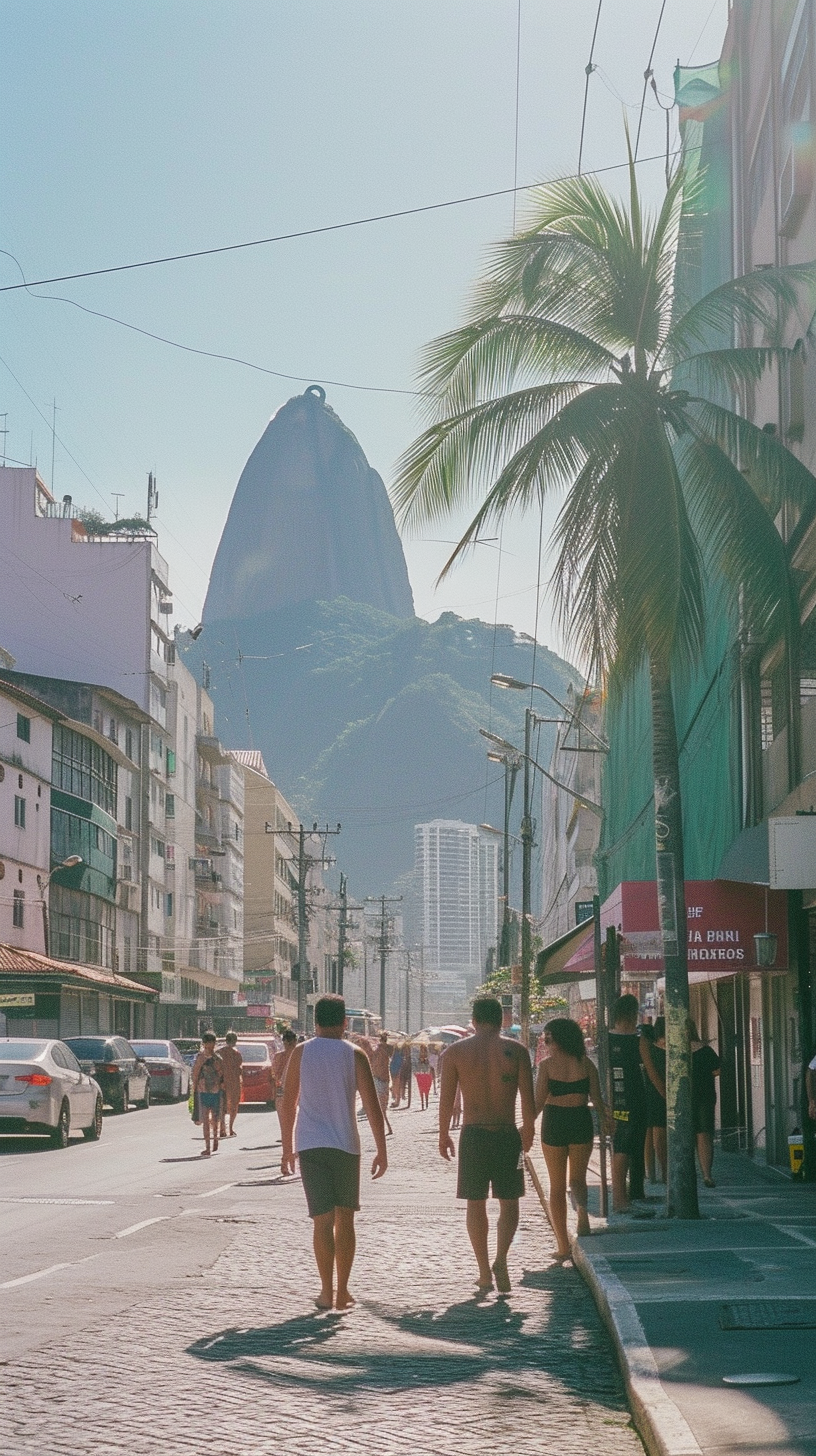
(233, 1133)
(561, 1255)
(344, 1300)
(323, 1300)
(205, 1153)
(584, 1228)
(503, 1284)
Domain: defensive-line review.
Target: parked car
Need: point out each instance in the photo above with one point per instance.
(189, 1046)
(44, 1090)
(169, 1073)
(258, 1085)
(122, 1075)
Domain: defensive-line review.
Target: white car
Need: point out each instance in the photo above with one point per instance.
(44, 1090)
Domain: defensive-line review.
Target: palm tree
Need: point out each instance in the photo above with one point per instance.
(567, 377)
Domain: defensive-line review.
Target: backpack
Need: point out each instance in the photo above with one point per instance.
(209, 1078)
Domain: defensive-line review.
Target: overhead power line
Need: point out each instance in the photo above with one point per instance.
(647, 76)
(333, 227)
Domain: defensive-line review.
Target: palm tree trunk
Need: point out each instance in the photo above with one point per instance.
(681, 1193)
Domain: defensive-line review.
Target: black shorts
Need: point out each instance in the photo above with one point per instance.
(703, 1115)
(629, 1135)
(331, 1179)
(562, 1127)
(490, 1157)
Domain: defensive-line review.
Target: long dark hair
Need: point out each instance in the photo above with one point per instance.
(568, 1037)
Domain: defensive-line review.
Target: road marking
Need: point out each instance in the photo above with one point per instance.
(41, 1273)
(795, 1234)
(92, 1202)
(29, 1278)
(134, 1227)
(211, 1191)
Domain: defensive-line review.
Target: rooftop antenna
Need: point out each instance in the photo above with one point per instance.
(117, 495)
(152, 495)
(53, 440)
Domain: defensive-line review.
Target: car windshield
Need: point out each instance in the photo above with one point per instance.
(86, 1046)
(252, 1051)
(151, 1048)
(21, 1051)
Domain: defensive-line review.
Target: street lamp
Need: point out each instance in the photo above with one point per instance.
(512, 763)
(503, 680)
(42, 885)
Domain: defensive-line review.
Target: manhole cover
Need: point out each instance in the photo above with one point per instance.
(768, 1314)
(761, 1377)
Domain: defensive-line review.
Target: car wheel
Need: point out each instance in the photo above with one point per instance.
(93, 1133)
(145, 1102)
(59, 1135)
(122, 1102)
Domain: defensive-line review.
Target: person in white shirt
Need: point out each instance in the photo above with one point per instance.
(810, 1082)
(322, 1081)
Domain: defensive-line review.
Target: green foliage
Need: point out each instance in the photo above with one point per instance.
(542, 1006)
(564, 379)
(94, 522)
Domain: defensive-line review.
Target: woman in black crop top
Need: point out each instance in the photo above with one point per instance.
(567, 1081)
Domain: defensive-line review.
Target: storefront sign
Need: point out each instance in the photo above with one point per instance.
(722, 918)
(13, 998)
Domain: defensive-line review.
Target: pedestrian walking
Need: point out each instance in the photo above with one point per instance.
(705, 1067)
(433, 1058)
(407, 1073)
(280, 1064)
(380, 1070)
(232, 1063)
(627, 1054)
(567, 1081)
(491, 1071)
(208, 1085)
(395, 1068)
(424, 1077)
(322, 1081)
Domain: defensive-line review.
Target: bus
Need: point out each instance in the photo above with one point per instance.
(360, 1022)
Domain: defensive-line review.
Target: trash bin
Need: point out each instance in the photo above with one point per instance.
(796, 1152)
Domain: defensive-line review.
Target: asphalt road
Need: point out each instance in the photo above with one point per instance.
(151, 1299)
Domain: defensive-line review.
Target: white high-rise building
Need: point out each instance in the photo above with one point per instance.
(456, 879)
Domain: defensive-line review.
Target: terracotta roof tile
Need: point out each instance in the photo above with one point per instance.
(14, 961)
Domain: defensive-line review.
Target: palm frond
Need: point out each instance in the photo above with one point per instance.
(480, 360)
(775, 474)
(443, 466)
(766, 301)
(730, 369)
(741, 540)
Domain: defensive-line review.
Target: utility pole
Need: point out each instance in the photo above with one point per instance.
(305, 863)
(526, 878)
(421, 986)
(382, 901)
(341, 938)
(408, 993)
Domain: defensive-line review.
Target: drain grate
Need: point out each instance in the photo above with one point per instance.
(768, 1314)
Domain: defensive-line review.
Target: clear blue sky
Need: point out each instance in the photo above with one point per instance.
(134, 130)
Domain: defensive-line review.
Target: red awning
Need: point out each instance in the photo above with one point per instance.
(723, 916)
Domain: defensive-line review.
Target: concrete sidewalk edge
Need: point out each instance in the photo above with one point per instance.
(662, 1427)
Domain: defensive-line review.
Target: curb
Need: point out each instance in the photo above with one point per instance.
(662, 1427)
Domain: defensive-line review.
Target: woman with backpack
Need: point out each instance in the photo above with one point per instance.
(208, 1088)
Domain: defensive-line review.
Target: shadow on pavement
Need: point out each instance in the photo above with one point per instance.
(425, 1347)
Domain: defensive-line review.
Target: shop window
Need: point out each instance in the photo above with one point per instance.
(23, 728)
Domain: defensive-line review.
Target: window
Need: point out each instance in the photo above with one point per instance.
(18, 909)
(80, 767)
(171, 762)
(129, 743)
(19, 812)
(113, 731)
(23, 728)
(170, 806)
(169, 906)
(128, 813)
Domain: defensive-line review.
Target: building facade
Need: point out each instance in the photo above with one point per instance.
(270, 892)
(456, 920)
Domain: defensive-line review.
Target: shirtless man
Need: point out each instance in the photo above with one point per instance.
(280, 1063)
(380, 1066)
(491, 1070)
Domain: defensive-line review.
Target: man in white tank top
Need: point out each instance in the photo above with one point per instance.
(322, 1081)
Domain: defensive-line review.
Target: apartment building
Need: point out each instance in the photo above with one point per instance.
(26, 726)
(270, 892)
(456, 887)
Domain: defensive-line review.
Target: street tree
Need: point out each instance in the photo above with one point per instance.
(580, 370)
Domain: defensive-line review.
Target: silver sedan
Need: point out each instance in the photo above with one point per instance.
(44, 1090)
